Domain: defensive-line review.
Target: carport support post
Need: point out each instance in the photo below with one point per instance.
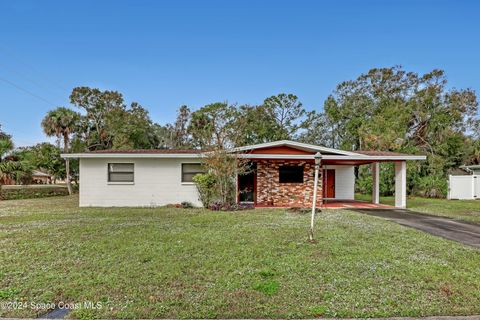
(401, 184)
(318, 161)
(376, 183)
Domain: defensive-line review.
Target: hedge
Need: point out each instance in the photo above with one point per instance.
(28, 192)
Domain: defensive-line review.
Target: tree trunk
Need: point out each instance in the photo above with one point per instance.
(67, 164)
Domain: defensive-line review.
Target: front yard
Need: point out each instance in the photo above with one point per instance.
(468, 210)
(191, 263)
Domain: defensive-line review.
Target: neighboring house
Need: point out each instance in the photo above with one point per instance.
(40, 177)
(283, 175)
(472, 169)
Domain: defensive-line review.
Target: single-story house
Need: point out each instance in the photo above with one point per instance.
(473, 169)
(41, 177)
(38, 177)
(282, 175)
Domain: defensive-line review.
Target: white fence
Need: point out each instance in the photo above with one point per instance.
(464, 187)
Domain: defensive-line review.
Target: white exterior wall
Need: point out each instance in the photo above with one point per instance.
(344, 181)
(157, 182)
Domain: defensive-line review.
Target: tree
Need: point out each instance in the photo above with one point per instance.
(46, 158)
(220, 124)
(110, 124)
(181, 136)
(474, 152)
(255, 124)
(10, 166)
(214, 126)
(320, 130)
(131, 128)
(97, 105)
(394, 110)
(62, 123)
(6, 145)
(287, 112)
(222, 169)
(165, 135)
(368, 111)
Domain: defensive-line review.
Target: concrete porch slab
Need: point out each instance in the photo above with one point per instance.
(353, 204)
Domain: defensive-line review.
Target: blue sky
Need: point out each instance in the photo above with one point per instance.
(163, 54)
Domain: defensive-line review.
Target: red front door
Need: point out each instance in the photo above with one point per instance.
(329, 183)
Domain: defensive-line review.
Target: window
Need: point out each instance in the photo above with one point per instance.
(189, 170)
(120, 172)
(290, 174)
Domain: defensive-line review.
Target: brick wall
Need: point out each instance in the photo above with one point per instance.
(272, 193)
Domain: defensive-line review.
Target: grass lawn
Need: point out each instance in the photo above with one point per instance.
(191, 263)
(468, 210)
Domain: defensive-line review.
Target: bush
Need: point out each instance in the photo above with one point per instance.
(299, 210)
(433, 186)
(363, 184)
(27, 192)
(205, 183)
(187, 205)
(220, 206)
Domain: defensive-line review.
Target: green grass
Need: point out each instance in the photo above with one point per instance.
(468, 210)
(191, 263)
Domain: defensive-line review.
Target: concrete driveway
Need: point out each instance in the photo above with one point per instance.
(456, 230)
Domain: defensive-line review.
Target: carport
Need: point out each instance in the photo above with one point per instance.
(374, 158)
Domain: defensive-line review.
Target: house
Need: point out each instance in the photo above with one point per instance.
(40, 177)
(282, 175)
(472, 169)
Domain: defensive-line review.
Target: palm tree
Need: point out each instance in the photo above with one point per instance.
(6, 145)
(61, 123)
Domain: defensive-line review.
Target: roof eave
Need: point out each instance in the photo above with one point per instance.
(129, 155)
(332, 157)
(298, 145)
(241, 155)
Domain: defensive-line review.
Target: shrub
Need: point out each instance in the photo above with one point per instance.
(24, 192)
(245, 206)
(205, 183)
(363, 184)
(433, 186)
(299, 210)
(187, 205)
(220, 206)
(217, 187)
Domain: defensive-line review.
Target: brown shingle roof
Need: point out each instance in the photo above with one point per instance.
(150, 151)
